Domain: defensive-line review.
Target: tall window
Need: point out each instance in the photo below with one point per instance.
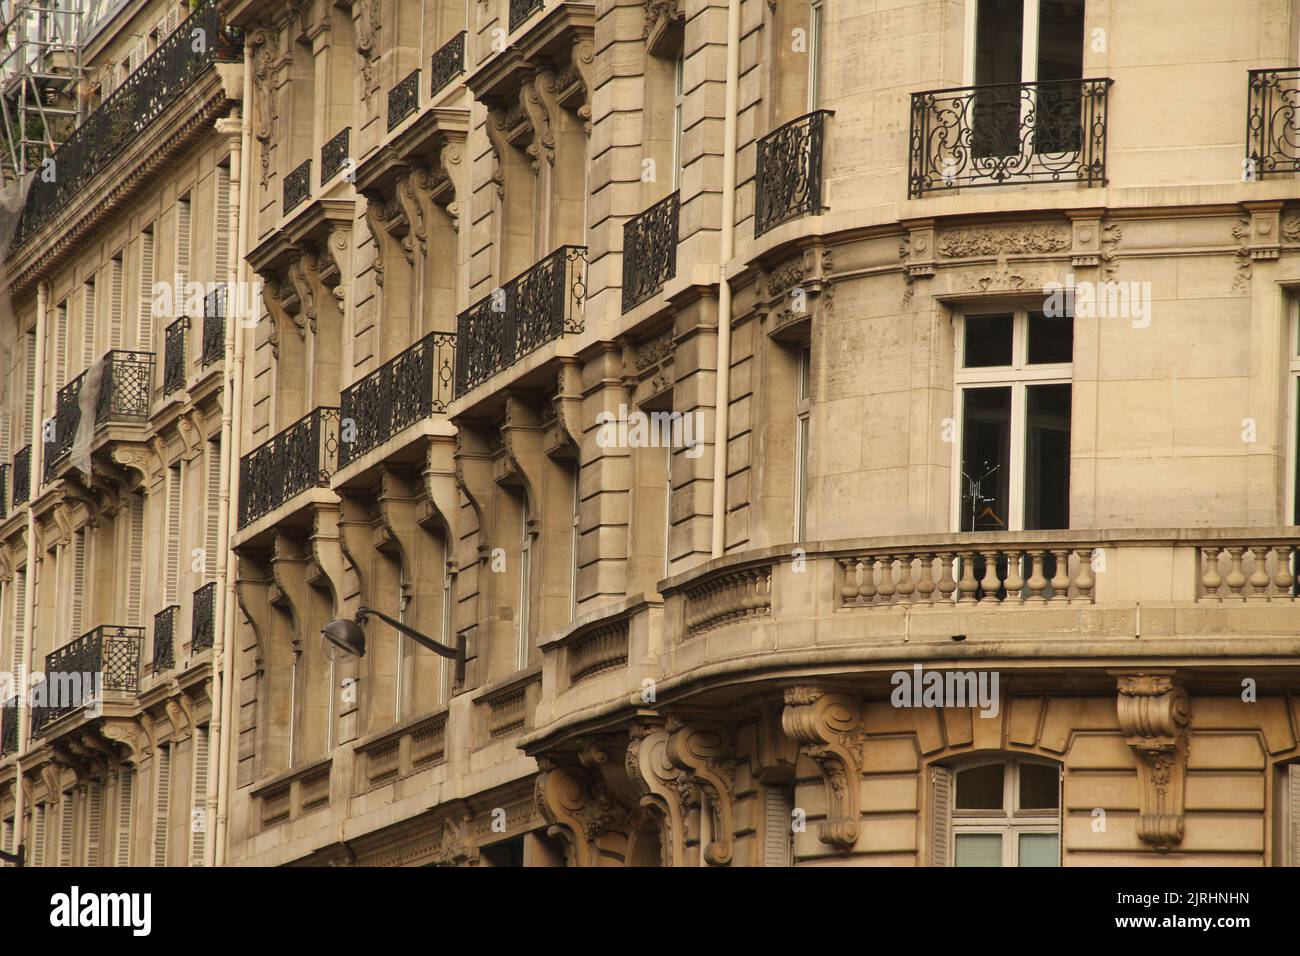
(1294, 503)
(573, 541)
(525, 573)
(679, 104)
(815, 30)
(999, 812)
(803, 419)
(1013, 403)
(162, 802)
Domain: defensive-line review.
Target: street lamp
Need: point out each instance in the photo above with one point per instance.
(349, 637)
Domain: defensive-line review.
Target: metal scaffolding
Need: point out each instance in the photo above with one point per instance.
(41, 74)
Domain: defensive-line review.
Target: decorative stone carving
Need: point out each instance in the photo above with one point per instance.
(1155, 713)
(970, 243)
(1241, 233)
(702, 751)
(826, 727)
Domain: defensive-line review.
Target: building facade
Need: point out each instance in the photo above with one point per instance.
(835, 433)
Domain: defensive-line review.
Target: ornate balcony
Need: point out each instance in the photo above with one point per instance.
(154, 86)
(105, 659)
(403, 99)
(164, 638)
(125, 380)
(521, 10)
(530, 310)
(334, 154)
(302, 456)
(788, 176)
(22, 476)
(174, 356)
(203, 618)
(401, 392)
(9, 727)
(650, 251)
(1273, 123)
(1001, 134)
(297, 186)
(4, 490)
(214, 326)
(447, 64)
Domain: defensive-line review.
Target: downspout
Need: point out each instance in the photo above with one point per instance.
(232, 419)
(29, 599)
(722, 401)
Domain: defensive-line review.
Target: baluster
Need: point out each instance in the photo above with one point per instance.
(968, 584)
(1211, 580)
(906, 587)
(1236, 579)
(867, 590)
(764, 590)
(1037, 582)
(1061, 580)
(1084, 581)
(849, 591)
(1259, 573)
(1283, 579)
(990, 581)
(947, 584)
(886, 588)
(925, 586)
(748, 594)
(1014, 582)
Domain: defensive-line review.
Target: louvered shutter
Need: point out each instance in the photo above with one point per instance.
(29, 396)
(88, 324)
(173, 534)
(199, 800)
(9, 835)
(144, 322)
(117, 318)
(138, 54)
(162, 803)
(778, 805)
(211, 544)
(135, 567)
(221, 241)
(78, 589)
(17, 657)
(6, 406)
(38, 837)
(66, 809)
(173, 19)
(1060, 816)
(940, 815)
(1293, 814)
(94, 821)
(182, 252)
(125, 789)
(60, 345)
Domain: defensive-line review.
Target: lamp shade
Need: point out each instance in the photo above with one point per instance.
(346, 635)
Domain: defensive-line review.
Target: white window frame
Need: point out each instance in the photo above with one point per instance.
(802, 436)
(525, 592)
(1028, 42)
(1009, 823)
(1018, 376)
(816, 26)
(679, 114)
(1292, 411)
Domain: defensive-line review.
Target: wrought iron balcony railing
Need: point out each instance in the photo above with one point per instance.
(9, 726)
(1273, 123)
(530, 310)
(650, 251)
(447, 64)
(164, 638)
(995, 135)
(174, 356)
(185, 55)
(297, 186)
(302, 456)
(214, 326)
(203, 617)
(125, 380)
(521, 10)
(399, 393)
(22, 476)
(788, 175)
(4, 490)
(403, 99)
(334, 154)
(105, 659)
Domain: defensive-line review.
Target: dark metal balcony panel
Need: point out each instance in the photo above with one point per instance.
(447, 64)
(297, 186)
(108, 656)
(185, 55)
(533, 308)
(174, 356)
(58, 439)
(788, 176)
(164, 638)
(203, 617)
(403, 99)
(214, 326)
(302, 456)
(22, 476)
(996, 135)
(521, 10)
(4, 490)
(650, 251)
(334, 154)
(1273, 123)
(9, 727)
(401, 392)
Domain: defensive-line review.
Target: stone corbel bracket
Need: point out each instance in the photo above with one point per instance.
(702, 750)
(1155, 714)
(656, 779)
(826, 725)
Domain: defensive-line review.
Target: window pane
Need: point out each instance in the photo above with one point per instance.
(980, 788)
(979, 849)
(1040, 849)
(1047, 457)
(801, 482)
(998, 39)
(805, 373)
(1040, 787)
(1051, 339)
(1060, 39)
(988, 340)
(985, 458)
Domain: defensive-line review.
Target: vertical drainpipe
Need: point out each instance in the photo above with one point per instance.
(722, 401)
(29, 599)
(231, 428)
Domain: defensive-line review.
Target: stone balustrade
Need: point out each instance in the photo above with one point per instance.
(728, 598)
(1248, 571)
